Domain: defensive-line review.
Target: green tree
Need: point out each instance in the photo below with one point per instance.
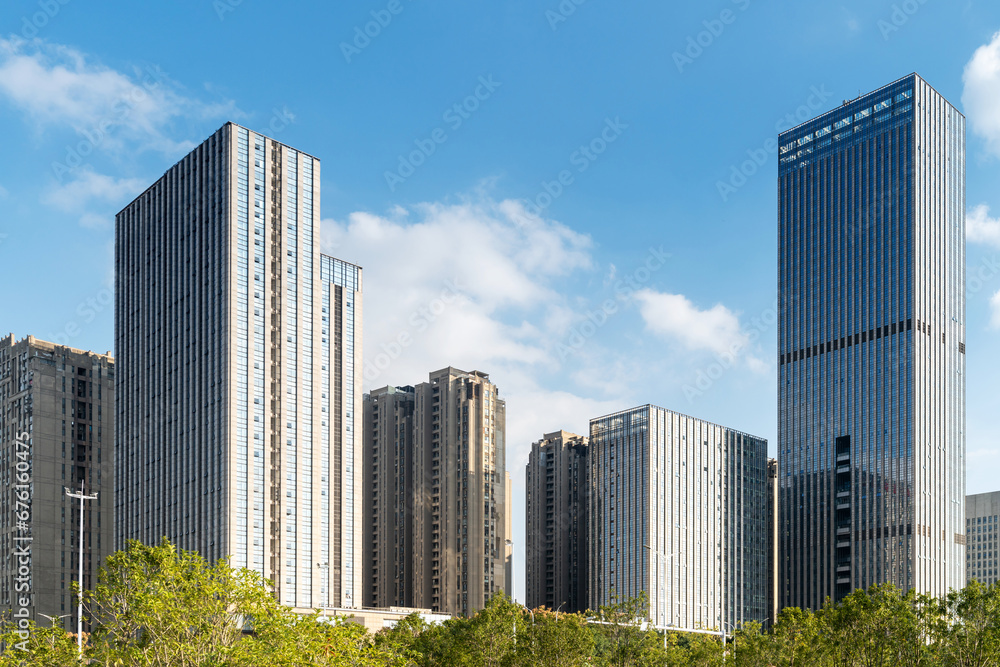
(967, 626)
(554, 639)
(799, 639)
(621, 640)
(752, 647)
(36, 646)
(157, 605)
(879, 627)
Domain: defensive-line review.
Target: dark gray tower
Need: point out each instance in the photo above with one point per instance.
(871, 398)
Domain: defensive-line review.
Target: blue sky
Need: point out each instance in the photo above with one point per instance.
(543, 191)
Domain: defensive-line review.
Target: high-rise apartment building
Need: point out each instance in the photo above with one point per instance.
(389, 497)
(678, 509)
(57, 409)
(871, 391)
(239, 350)
(556, 545)
(982, 534)
(445, 482)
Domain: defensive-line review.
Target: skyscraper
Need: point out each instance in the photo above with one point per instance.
(557, 521)
(239, 370)
(871, 398)
(982, 531)
(437, 494)
(57, 409)
(678, 509)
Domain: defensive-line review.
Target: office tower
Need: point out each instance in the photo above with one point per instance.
(556, 523)
(871, 391)
(678, 509)
(773, 543)
(454, 524)
(982, 533)
(57, 408)
(239, 354)
(388, 497)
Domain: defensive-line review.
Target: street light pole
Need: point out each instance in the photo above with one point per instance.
(79, 609)
(326, 575)
(656, 553)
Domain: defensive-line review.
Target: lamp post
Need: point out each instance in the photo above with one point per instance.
(326, 586)
(656, 553)
(53, 619)
(79, 609)
(723, 625)
(558, 608)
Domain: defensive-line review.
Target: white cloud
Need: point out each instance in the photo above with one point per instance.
(981, 95)
(673, 316)
(469, 284)
(88, 187)
(995, 310)
(981, 228)
(57, 85)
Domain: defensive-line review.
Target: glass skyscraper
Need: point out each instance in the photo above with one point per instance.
(239, 380)
(871, 398)
(678, 509)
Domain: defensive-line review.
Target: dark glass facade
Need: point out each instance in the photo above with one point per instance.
(871, 346)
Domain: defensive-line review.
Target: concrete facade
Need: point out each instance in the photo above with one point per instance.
(57, 407)
(388, 496)
(557, 523)
(982, 536)
(458, 503)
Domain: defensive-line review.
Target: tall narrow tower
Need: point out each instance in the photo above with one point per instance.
(871, 403)
(238, 392)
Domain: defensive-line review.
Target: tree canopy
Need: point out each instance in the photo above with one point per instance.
(160, 606)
